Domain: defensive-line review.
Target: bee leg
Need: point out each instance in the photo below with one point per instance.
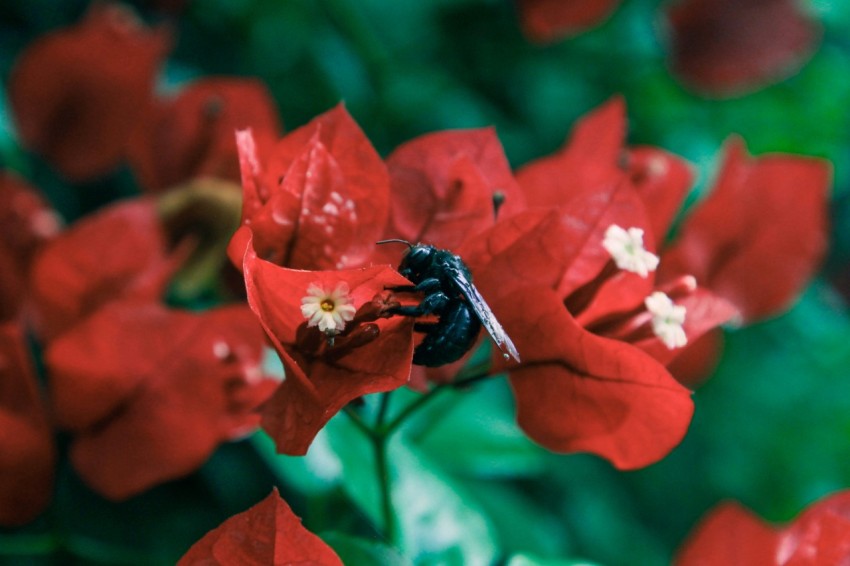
(427, 286)
(424, 327)
(431, 304)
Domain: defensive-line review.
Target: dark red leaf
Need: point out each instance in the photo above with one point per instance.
(317, 386)
(761, 233)
(191, 134)
(548, 20)
(151, 392)
(732, 535)
(27, 451)
(26, 223)
(729, 47)
(119, 251)
(267, 533)
(77, 93)
(729, 535)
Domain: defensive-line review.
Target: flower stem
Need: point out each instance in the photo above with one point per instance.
(379, 445)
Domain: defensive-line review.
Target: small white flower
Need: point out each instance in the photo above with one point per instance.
(667, 319)
(329, 310)
(626, 247)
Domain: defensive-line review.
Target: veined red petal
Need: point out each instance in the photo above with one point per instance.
(267, 533)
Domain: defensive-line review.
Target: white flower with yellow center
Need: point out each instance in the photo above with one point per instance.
(329, 310)
(667, 319)
(626, 247)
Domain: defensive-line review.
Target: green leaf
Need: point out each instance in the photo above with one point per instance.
(355, 550)
(317, 473)
(438, 522)
(480, 433)
(529, 560)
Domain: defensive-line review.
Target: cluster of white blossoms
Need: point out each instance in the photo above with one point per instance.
(328, 309)
(626, 249)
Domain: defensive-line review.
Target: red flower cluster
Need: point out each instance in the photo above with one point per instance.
(83, 98)
(718, 47)
(732, 535)
(568, 264)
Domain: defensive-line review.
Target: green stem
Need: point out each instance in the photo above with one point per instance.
(382, 430)
(379, 444)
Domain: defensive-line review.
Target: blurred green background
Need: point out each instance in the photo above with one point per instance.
(771, 429)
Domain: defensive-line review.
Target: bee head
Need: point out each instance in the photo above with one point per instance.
(416, 260)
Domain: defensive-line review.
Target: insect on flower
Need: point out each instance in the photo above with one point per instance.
(450, 295)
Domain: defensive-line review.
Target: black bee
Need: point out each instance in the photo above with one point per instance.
(450, 295)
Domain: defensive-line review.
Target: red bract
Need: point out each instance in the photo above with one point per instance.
(319, 201)
(150, 392)
(733, 536)
(662, 181)
(371, 355)
(267, 533)
(443, 186)
(27, 451)
(761, 233)
(191, 134)
(99, 259)
(729, 47)
(575, 391)
(26, 223)
(78, 93)
(548, 20)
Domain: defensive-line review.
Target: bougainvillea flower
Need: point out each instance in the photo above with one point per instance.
(98, 259)
(444, 185)
(548, 20)
(729, 47)
(730, 534)
(150, 392)
(759, 236)
(77, 93)
(27, 451)
(324, 373)
(26, 223)
(576, 390)
(318, 201)
(191, 134)
(662, 181)
(267, 533)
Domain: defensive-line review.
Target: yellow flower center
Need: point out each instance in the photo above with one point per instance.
(327, 305)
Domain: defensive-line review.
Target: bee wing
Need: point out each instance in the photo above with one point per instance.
(482, 310)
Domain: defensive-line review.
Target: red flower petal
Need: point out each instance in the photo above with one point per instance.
(576, 391)
(267, 533)
(101, 258)
(341, 196)
(191, 135)
(728, 47)
(588, 160)
(662, 180)
(316, 389)
(761, 233)
(27, 451)
(443, 185)
(820, 535)
(26, 223)
(548, 20)
(162, 391)
(729, 535)
(78, 93)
